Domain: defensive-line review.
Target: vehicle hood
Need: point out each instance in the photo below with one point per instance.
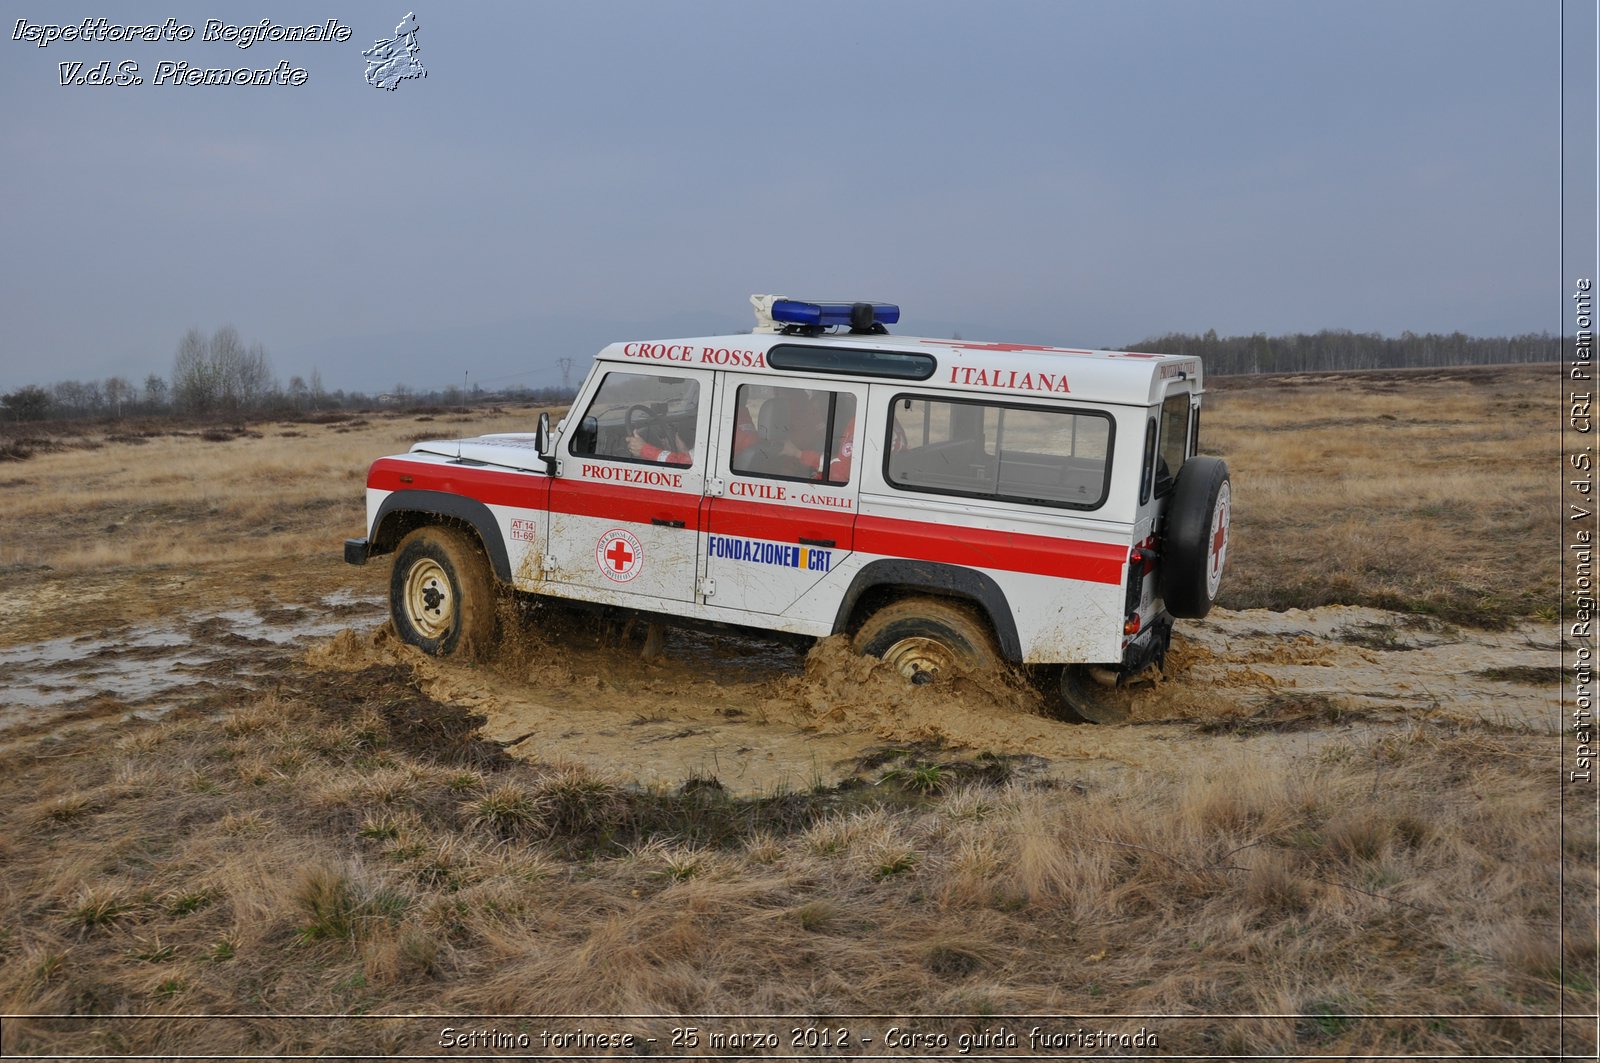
(513, 450)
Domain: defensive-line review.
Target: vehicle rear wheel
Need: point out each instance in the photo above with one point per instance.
(928, 638)
(442, 593)
(1094, 694)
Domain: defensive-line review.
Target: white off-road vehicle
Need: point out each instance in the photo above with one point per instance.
(948, 505)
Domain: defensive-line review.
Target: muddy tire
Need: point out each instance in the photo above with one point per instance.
(442, 593)
(1082, 698)
(926, 638)
(1195, 547)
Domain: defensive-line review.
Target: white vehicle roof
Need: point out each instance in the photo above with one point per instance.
(1016, 371)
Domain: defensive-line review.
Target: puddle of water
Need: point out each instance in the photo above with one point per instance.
(735, 656)
(129, 667)
(50, 651)
(349, 597)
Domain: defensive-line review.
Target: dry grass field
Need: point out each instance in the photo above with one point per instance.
(1303, 846)
(1426, 491)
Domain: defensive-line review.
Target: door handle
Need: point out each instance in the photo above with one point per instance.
(663, 522)
(829, 543)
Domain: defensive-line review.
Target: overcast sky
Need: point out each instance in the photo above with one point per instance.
(1087, 172)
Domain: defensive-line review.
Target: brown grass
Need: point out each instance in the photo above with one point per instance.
(200, 497)
(375, 874)
(1412, 491)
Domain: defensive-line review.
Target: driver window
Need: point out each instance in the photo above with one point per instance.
(635, 417)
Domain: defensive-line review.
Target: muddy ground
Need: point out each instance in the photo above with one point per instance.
(757, 714)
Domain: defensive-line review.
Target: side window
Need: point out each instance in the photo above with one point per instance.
(794, 433)
(1174, 441)
(1015, 453)
(1147, 477)
(643, 418)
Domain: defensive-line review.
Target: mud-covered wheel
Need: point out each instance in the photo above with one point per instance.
(1093, 694)
(926, 638)
(1195, 546)
(442, 593)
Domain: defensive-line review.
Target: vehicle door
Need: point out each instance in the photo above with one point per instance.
(625, 513)
(785, 464)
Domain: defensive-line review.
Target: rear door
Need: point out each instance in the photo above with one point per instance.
(626, 511)
(1170, 440)
(786, 513)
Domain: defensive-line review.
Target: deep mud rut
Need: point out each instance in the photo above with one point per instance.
(755, 714)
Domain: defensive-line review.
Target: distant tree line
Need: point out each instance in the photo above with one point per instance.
(1335, 349)
(220, 375)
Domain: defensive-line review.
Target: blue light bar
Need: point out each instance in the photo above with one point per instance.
(795, 312)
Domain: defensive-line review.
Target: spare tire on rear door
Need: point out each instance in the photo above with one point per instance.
(1195, 546)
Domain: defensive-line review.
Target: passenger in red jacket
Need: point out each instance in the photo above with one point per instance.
(744, 434)
(838, 471)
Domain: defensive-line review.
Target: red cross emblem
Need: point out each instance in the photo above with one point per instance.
(1219, 539)
(619, 555)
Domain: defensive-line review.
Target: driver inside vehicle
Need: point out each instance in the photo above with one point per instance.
(675, 450)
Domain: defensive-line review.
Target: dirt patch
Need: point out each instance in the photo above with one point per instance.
(1397, 667)
(761, 717)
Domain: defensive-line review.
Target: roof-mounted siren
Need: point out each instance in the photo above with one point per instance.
(792, 317)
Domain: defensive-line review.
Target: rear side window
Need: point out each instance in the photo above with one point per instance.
(1045, 456)
(787, 433)
(1174, 441)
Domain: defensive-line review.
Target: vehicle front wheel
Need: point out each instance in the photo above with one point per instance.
(928, 638)
(442, 593)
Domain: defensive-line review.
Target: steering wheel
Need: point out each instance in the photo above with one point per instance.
(660, 433)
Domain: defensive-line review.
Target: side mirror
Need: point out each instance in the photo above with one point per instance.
(541, 443)
(587, 439)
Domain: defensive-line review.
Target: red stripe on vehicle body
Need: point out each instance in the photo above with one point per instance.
(983, 548)
(979, 548)
(490, 486)
(632, 505)
(779, 523)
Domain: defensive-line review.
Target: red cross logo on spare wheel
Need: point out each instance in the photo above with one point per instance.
(1219, 539)
(619, 555)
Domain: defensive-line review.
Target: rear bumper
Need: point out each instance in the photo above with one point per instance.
(355, 551)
